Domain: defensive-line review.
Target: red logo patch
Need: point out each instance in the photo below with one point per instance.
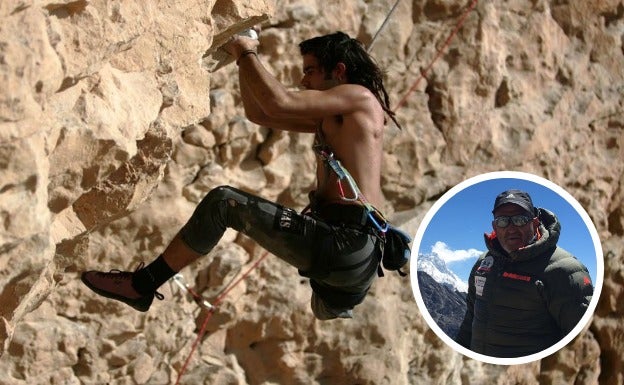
(586, 281)
(518, 277)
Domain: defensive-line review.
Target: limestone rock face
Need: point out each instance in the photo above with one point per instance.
(112, 129)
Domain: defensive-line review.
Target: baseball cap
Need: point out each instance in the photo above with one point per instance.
(517, 197)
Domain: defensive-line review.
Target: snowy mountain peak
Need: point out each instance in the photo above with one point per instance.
(437, 269)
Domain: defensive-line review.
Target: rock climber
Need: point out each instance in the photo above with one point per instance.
(336, 241)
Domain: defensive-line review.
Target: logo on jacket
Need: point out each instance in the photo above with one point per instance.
(517, 277)
(486, 264)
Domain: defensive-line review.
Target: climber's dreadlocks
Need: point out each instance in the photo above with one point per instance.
(361, 69)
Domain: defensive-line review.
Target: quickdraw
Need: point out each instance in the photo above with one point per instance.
(202, 302)
(376, 217)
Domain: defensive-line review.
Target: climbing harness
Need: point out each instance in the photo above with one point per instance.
(395, 247)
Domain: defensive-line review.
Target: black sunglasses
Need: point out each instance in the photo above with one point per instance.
(517, 220)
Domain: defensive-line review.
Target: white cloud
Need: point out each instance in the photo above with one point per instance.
(442, 250)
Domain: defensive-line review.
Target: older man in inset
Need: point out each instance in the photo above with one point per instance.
(525, 293)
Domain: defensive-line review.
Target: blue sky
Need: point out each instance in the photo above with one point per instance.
(455, 231)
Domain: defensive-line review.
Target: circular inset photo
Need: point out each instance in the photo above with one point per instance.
(508, 268)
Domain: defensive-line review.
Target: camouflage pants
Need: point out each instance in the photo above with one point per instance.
(335, 255)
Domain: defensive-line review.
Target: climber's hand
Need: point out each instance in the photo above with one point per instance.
(239, 44)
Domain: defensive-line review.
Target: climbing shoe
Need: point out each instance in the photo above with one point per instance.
(117, 284)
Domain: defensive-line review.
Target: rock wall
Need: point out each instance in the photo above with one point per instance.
(112, 129)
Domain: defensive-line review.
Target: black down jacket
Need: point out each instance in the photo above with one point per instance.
(525, 301)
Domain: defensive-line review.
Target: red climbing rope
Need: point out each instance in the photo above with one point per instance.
(424, 72)
(211, 311)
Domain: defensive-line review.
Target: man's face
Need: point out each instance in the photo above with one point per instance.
(314, 77)
(514, 237)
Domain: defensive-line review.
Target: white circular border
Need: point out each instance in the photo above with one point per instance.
(562, 193)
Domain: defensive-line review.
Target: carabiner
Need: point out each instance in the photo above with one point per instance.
(356, 196)
(383, 229)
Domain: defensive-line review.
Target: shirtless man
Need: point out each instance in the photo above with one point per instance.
(336, 242)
